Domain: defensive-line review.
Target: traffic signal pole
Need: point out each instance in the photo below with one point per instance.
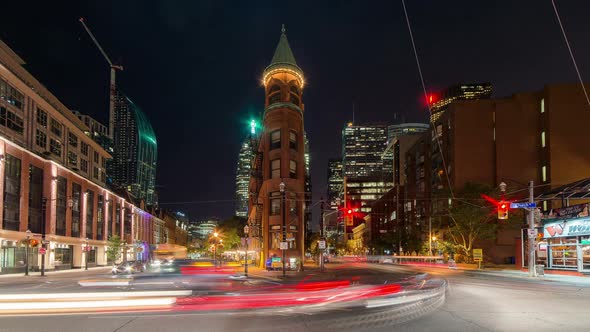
(531, 217)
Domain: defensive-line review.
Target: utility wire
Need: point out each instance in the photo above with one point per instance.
(426, 98)
(569, 48)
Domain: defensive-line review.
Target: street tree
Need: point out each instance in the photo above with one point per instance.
(470, 219)
(114, 247)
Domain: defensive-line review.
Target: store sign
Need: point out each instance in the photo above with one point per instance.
(565, 228)
(573, 211)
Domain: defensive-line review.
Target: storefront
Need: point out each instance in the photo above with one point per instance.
(566, 245)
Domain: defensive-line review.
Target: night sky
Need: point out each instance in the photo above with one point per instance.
(195, 67)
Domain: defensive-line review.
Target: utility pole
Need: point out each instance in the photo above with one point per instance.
(247, 236)
(531, 217)
(322, 234)
(43, 224)
(113, 87)
(282, 189)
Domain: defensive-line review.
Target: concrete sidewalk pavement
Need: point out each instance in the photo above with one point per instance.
(91, 270)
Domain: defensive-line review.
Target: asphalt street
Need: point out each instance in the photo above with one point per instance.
(474, 302)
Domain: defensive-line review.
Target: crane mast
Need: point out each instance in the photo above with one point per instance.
(112, 89)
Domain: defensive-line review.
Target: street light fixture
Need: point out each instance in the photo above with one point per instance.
(28, 232)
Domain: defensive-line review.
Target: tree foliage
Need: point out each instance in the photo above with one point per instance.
(470, 219)
(114, 248)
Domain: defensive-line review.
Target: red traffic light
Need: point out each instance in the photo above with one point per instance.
(349, 211)
(502, 210)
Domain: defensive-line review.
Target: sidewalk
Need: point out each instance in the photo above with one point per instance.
(510, 271)
(58, 272)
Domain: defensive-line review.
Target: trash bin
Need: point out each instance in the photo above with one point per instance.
(540, 270)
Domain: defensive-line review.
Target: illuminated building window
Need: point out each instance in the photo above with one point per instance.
(543, 139)
(275, 139)
(276, 238)
(292, 140)
(275, 168)
(543, 105)
(293, 169)
(544, 173)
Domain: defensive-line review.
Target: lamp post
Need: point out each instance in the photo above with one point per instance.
(282, 189)
(27, 252)
(43, 225)
(246, 231)
(86, 254)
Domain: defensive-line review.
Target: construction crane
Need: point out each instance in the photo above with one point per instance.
(113, 86)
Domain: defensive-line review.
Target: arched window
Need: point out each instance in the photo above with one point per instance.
(274, 88)
(275, 98)
(295, 89)
(294, 99)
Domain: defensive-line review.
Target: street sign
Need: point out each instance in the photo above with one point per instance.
(42, 251)
(524, 205)
(532, 232)
(478, 255)
(322, 244)
(284, 245)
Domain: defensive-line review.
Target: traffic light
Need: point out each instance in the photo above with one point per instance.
(349, 212)
(503, 210)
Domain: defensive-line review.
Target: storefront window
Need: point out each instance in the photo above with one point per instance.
(35, 198)
(61, 205)
(91, 256)
(63, 258)
(76, 211)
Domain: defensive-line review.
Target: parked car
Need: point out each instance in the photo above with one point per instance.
(129, 267)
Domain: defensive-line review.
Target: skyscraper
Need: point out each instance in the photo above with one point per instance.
(243, 178)
(135, 152)
(335, 182)
(368, 173)
(438, 104)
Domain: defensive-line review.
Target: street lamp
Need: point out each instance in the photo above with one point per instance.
(28, 232)
(86, 254)
(282, 189)
(246, 231)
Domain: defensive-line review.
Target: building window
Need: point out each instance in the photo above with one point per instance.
(276, 239)
(72, 158)
(544, 173)
(42, 118)
(12, 172)
(95, 172)
(275, 168)
(76, 211)
(292, 140)
(56, 127)
(274, 98)
(543, 139)
(103, 162)
(294, 89)
(275, 139)
(542, 105)
(41, 139)
(35, 198)
(11, 95)
(117, 230)
(55, 147)
(84, 148)
(294, 99)
(89, 213)
(293, 242)
(11, 120)
(275, 204)
(100, 218)
(84, 165)
(61, 205)
(73, 139)
(292, 169)
(96, 157)
(274, 88)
